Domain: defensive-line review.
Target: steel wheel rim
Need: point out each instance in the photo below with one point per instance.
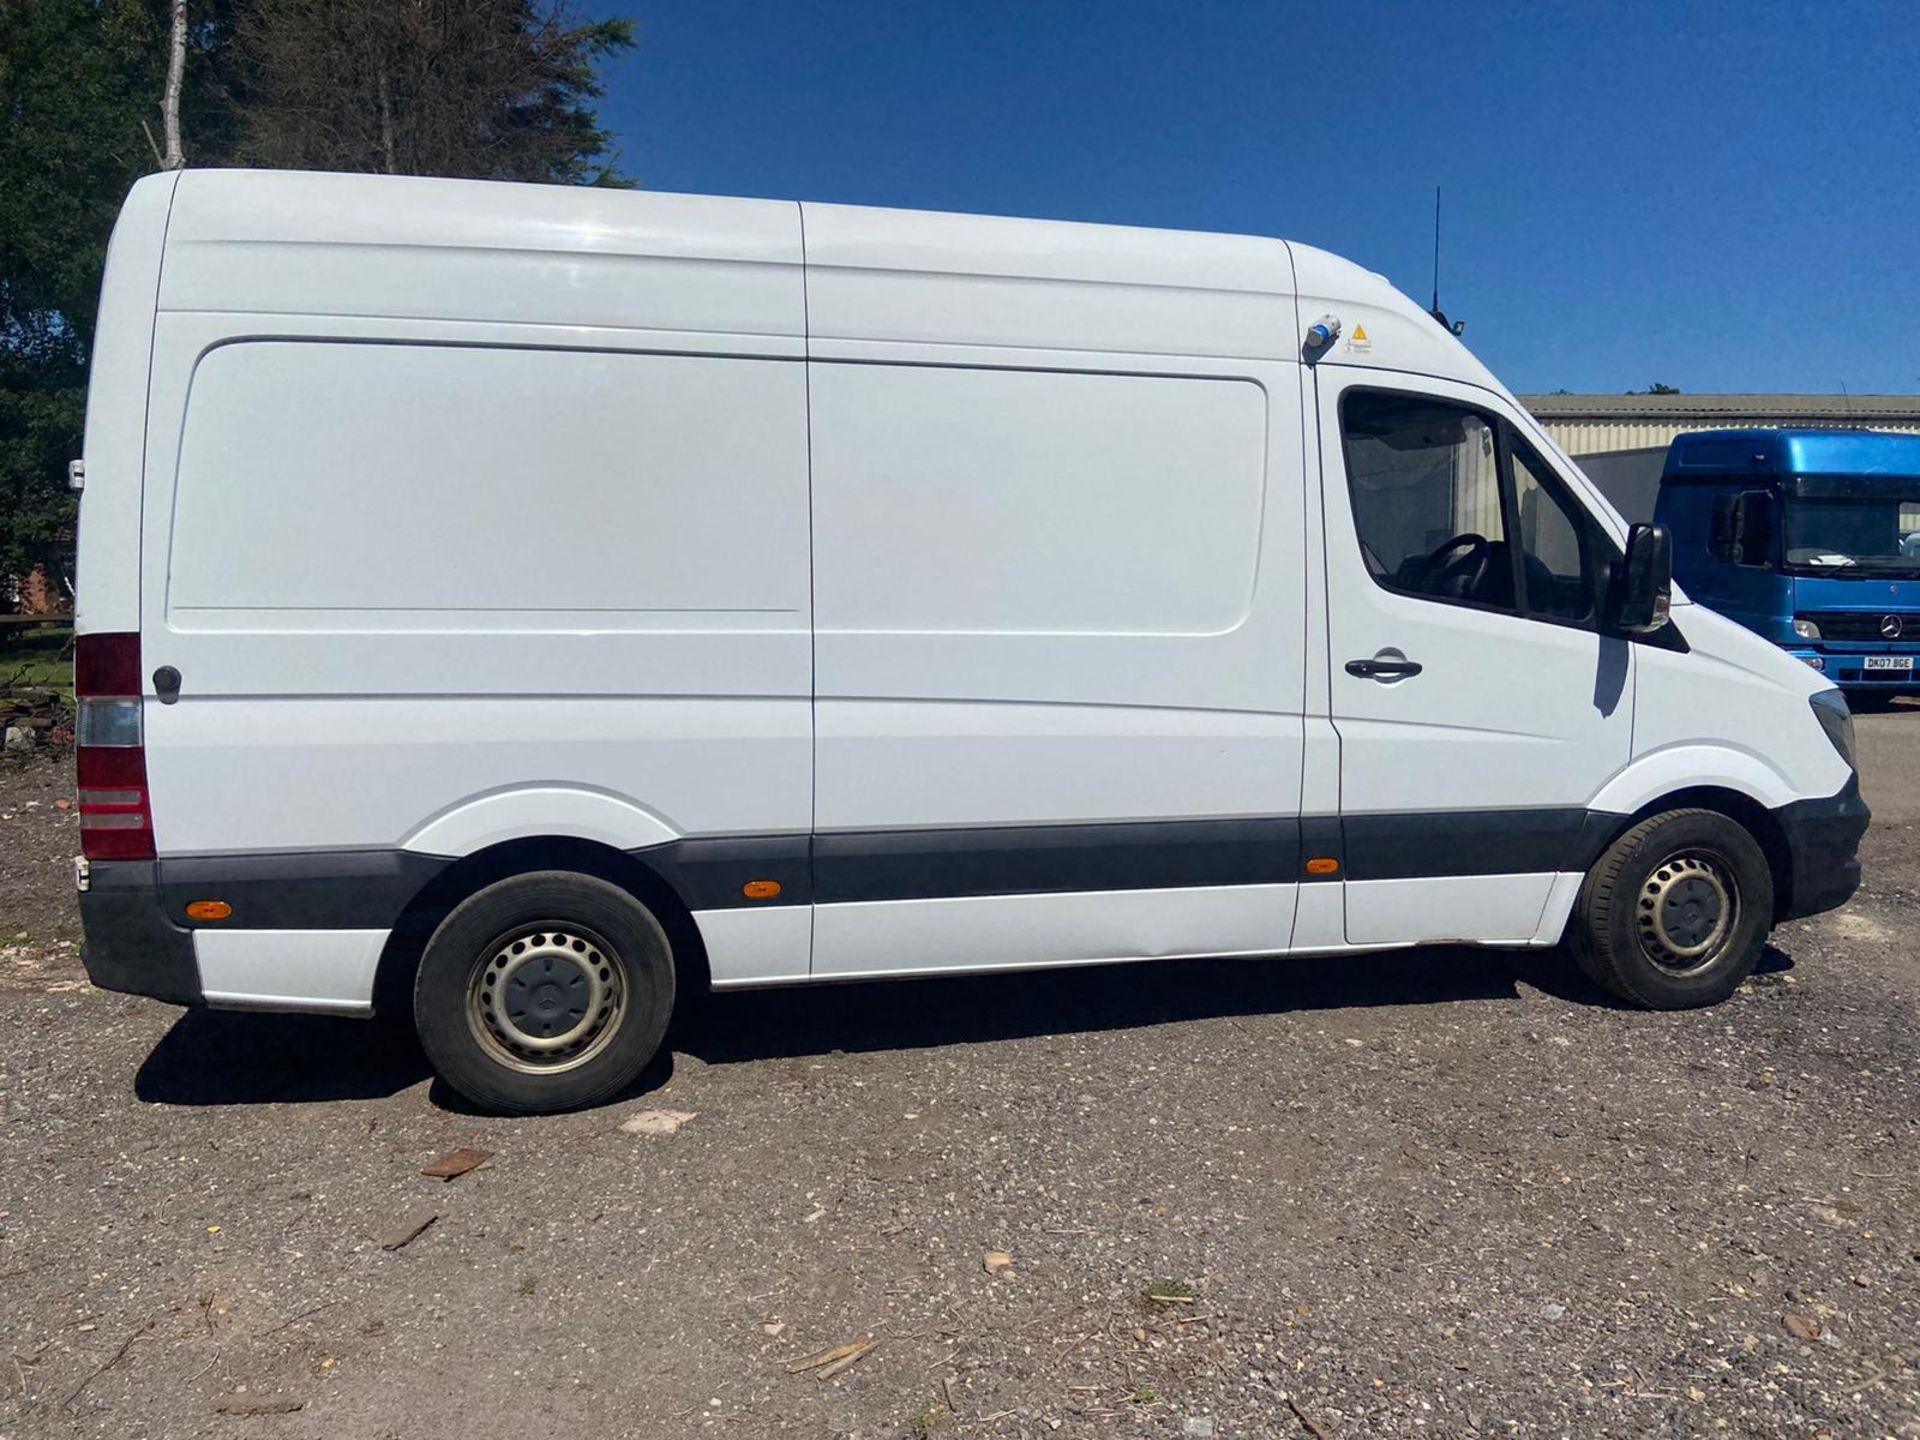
(546, 997)
(1685, 912)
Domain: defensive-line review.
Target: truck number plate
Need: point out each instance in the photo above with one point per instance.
(1889, 662)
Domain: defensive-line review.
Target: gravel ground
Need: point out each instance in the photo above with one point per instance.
(1435, 1193)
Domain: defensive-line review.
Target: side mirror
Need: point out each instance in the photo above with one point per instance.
(1645, 590)
(1743, 528)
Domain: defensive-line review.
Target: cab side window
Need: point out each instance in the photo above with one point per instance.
(1451, 505)
(1425, 480)
(1555, 544)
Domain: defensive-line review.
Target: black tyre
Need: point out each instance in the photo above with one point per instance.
(547, 991)
(1676, 912)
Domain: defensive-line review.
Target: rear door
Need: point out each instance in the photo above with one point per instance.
(1477, 703)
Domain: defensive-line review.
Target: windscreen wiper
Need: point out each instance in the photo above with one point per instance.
(1864, 568)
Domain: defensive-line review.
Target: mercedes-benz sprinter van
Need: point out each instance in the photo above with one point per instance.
(518, 605)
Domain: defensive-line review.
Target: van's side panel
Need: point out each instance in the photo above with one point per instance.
(1731, 744)
(917, 278)
(1058, 590)
(298, 243)
(406, 519)
(879, 939)
(456, 544)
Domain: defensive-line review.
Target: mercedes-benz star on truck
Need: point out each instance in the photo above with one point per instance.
(1810, 538)
(516, 607)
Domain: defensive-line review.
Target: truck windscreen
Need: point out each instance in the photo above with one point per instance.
(1857, 535)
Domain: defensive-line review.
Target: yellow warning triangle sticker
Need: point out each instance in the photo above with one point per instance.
(1359, 334)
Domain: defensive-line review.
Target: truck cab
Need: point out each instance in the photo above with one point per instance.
(1809, 538)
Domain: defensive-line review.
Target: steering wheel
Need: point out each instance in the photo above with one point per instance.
(1457, 575)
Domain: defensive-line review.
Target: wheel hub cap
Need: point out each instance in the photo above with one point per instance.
(1685, 912)
(547, 993)
(546, 998)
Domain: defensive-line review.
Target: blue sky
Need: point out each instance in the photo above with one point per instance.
(1719, 196)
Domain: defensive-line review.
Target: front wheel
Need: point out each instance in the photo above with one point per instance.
(544, 992)
(1676, 912)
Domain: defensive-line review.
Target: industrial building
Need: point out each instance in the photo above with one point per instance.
(1621, 440)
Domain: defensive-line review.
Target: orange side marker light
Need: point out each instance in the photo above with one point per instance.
(1323, 865)
(760, 889)
(209, 910)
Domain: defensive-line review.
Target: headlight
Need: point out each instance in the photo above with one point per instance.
(1830, 709)
(1806, 629)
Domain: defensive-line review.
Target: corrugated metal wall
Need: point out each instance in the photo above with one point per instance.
(1602, 436)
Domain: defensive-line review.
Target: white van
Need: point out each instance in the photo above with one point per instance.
(523, 604)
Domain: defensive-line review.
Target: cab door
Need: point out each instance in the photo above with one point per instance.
(1478, 703)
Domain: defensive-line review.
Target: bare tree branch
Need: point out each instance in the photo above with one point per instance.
(175, 158)
(386, 125)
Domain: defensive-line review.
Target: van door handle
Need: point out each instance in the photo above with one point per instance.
(1383, 669)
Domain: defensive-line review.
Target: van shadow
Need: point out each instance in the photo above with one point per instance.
(226, 1057)
(969, 1009)
(213, 1057)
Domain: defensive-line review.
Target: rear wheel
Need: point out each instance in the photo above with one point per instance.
(1676, 913)
(543, 992)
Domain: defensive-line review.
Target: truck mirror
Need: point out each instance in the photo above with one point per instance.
(1720, 542)
(1752, 529)
(1742, 532)
(1646, 581)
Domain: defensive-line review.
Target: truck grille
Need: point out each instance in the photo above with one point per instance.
(1864, 624)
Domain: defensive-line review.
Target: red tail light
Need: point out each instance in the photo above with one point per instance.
(111, 757)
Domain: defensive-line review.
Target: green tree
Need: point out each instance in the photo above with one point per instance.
(489, 89)
(500, 89)
(77, 77)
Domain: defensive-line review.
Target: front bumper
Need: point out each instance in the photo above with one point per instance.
(128, 944)
(1823, 840)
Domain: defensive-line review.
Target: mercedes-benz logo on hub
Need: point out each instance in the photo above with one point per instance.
(1890, 627)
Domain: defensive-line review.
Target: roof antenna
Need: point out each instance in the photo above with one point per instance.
(1453, 327)
(1436, 253)
(1846, 399)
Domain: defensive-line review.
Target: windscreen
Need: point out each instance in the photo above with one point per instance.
(1861, 534)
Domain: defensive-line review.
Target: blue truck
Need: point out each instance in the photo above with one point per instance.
(1810, 538)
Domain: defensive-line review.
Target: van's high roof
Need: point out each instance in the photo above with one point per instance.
(1710, 455)
(290, 241)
